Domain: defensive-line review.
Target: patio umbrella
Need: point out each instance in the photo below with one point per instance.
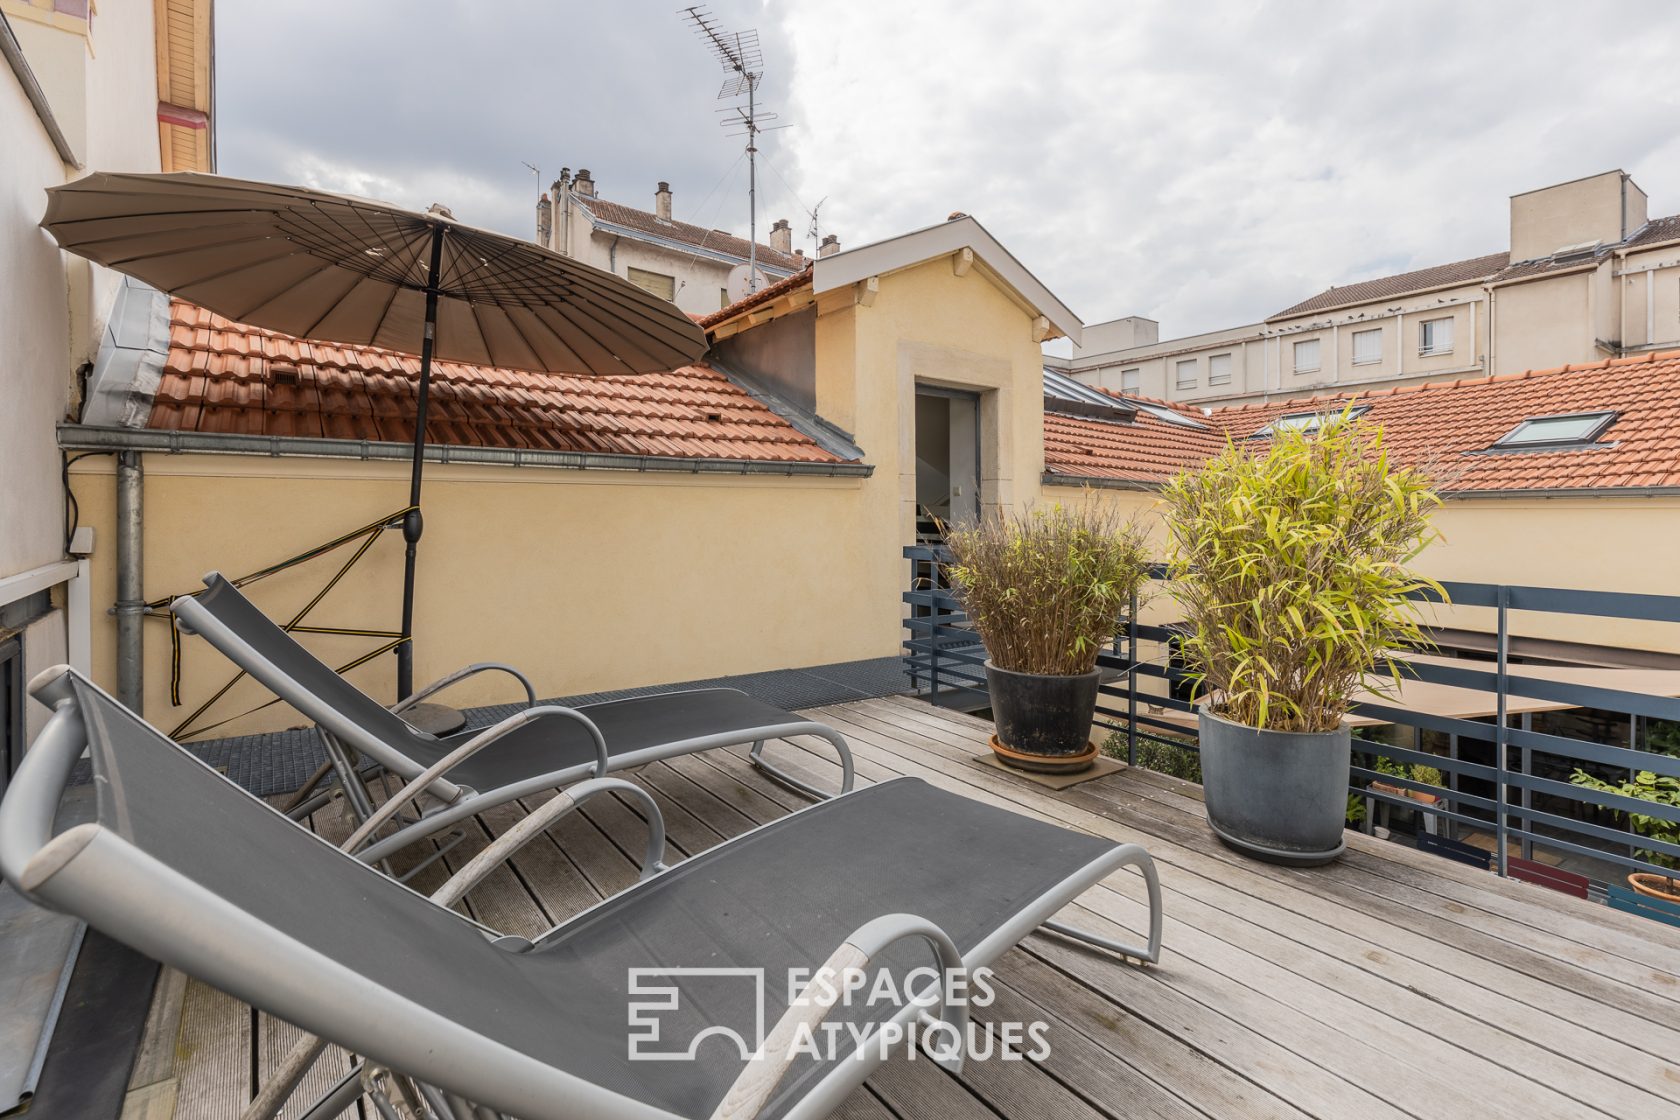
(349, 270)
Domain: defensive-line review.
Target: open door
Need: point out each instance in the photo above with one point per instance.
(947, 459)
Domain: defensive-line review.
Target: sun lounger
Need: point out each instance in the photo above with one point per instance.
(540, 748)
(187, 868)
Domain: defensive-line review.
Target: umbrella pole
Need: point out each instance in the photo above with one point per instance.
(413, 525)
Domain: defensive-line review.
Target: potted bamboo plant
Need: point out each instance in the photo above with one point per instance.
(1291, 564)
(1046, 591)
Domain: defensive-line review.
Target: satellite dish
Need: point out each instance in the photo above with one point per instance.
(737, 285)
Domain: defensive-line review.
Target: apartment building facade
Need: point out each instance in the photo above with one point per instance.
(1588, 276)
(685, 263)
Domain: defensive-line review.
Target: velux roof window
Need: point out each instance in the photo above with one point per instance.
(1574, 429)
(1308, 422)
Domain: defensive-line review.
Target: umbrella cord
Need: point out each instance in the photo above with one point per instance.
(367, 535)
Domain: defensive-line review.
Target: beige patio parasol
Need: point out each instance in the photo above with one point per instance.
(349, 270)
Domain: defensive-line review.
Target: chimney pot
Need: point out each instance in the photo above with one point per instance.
(662, 202)
(830, 245)
(781, 236)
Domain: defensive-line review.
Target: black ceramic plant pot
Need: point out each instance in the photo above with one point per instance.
(1045, 718)
(1279, 796)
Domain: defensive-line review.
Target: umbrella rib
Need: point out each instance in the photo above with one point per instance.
(513, 322)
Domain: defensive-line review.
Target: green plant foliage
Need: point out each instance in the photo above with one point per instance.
(1159, 756)
(1427, 775)
(1291, 563)
(1355, 809)
(1046, 589)
(1656, 788)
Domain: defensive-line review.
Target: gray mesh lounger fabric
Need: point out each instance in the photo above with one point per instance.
(784, 895)
(635, 730)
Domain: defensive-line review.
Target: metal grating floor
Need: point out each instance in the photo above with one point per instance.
(280, 761)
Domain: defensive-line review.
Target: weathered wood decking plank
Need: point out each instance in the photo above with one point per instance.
(1381, 986)
(1221, 872)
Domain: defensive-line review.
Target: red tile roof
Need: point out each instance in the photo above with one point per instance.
(1446, 427)
(763, 295)
(700, 237)
(1404, 283)
(222, 376)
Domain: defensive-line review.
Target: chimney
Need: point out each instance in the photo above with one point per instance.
(781, 236)
(583, 184)
(545, 220)
(830, 245)
(662, 202)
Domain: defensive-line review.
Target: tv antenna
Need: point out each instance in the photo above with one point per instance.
(739, 54)
(535, 170)
(815, 230)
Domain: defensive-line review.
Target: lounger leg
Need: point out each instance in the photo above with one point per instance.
(278, 1090)
(338, 1098)
(835, 739)
(1150, 954)
(348, 779)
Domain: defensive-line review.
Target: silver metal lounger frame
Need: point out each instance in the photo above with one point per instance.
(341, 736)
(95, 874)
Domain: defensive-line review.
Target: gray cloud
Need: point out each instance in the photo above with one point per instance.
(1204, 164)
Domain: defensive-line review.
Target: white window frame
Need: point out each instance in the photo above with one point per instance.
(1425, 348)
(1223, 378)
(1369, 360)
(1179, 380)
(1131, 380)
(1318, 355)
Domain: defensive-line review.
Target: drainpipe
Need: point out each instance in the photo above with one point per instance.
(131, 604)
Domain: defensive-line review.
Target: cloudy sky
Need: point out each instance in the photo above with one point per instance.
(1202, 164)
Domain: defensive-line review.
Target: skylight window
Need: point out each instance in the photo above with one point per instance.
(1574, 429)
(1308, 422)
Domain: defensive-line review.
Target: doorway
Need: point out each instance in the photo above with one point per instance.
(947, 459)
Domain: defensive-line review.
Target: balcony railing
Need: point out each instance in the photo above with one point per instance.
(1502, 779)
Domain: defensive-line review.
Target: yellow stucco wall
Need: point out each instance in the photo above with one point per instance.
(586, 580)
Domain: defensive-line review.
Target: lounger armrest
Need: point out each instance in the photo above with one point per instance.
(462, 674)
(422, 782)
(30, 808)
(770, 1063)
(538, 822)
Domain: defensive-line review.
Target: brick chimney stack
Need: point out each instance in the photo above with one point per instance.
(830, 246)
(583, 184)
(662, 202)
(781, 236)
(545, 220)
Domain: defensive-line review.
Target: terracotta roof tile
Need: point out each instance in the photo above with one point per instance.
(221, 376)
(629, 217)
(762, 296)
(1387, 287)
(1446, 427)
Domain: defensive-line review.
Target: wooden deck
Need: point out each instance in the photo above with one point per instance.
(1391, 984)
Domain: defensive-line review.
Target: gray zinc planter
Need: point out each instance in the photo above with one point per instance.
(1280, 796)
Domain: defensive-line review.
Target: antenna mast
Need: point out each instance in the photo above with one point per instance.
(739, 54)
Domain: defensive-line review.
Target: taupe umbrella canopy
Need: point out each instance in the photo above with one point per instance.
(335, 268)
(341, 269)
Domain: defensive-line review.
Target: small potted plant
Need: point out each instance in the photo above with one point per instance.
(1291, 564)
(1659, 789)
(1046, 591)
(1428, 776)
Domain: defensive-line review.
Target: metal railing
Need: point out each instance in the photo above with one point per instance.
(1511, 791)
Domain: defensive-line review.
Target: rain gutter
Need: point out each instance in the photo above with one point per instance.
(84, 437)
